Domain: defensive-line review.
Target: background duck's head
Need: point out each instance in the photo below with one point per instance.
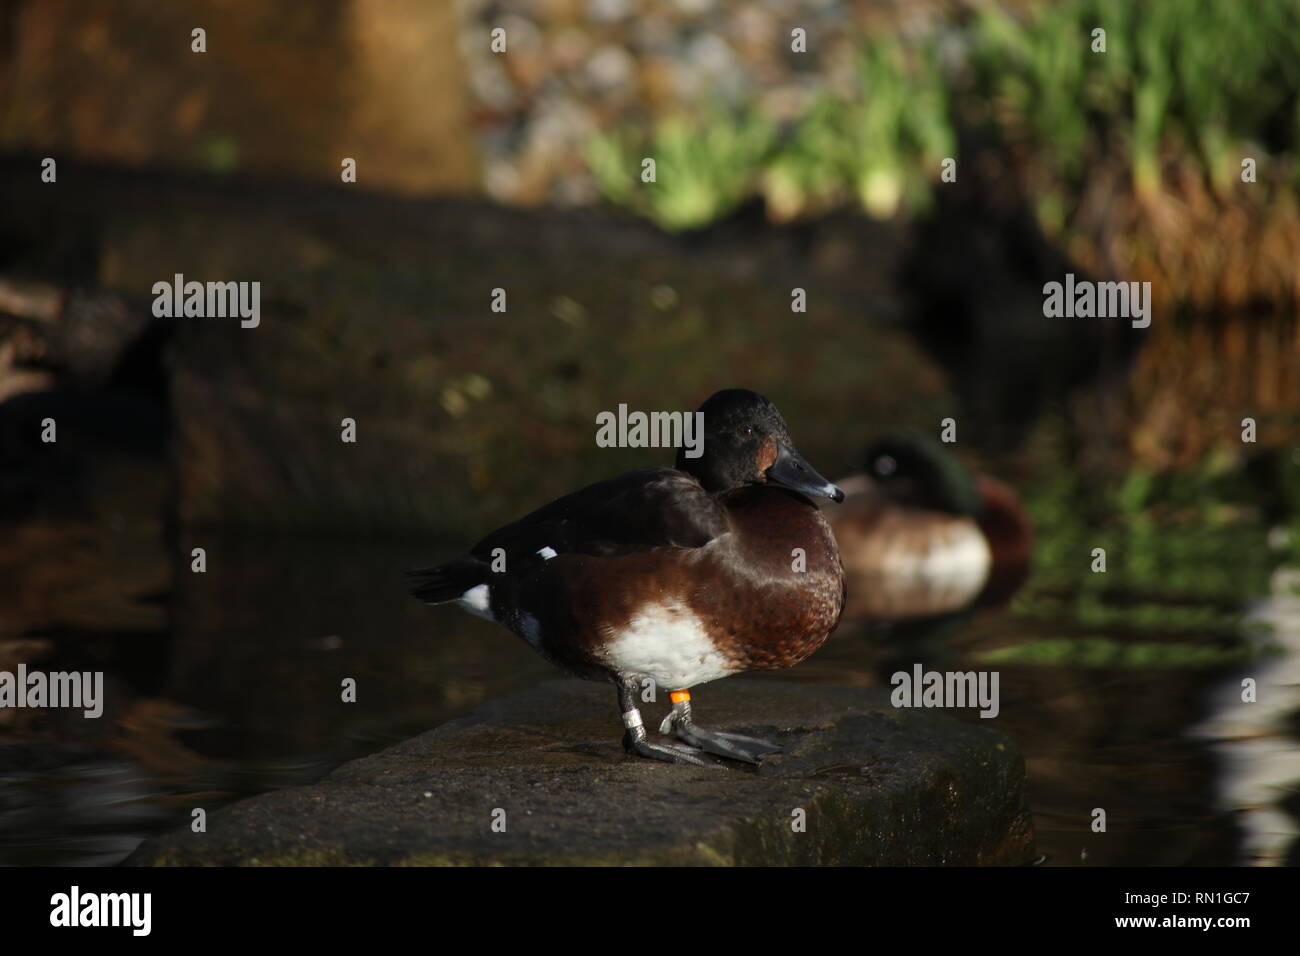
(746, 442)
(912, 470)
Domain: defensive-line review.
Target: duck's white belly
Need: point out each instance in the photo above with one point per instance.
(943, 571)
(668, 643)
(956, 562)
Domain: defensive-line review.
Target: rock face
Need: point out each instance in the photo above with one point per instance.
(877, 786)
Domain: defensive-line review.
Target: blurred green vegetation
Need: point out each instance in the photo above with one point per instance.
(218, 154)
(1184, 553)
(1109, 652)
(869, 146)
(707, 168)
(1199, 535)
(1211, 80)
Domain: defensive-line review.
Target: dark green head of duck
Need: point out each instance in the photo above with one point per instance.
(915, 470)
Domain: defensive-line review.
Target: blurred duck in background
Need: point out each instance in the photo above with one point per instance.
(922, 537)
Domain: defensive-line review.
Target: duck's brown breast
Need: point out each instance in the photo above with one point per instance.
(781, 584)
(765, 595)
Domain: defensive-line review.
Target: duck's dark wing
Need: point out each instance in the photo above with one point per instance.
(636, 511)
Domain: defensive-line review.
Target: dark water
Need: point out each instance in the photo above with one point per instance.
(230, 685)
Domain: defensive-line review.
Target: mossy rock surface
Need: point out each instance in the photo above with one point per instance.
(877, 785)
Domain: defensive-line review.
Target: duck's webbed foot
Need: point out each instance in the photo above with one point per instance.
(722, 743)
(635, 742)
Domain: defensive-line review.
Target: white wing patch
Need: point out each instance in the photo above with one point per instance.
(478, 601)
(668, 643)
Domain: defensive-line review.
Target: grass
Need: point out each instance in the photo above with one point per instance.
(1210, 78)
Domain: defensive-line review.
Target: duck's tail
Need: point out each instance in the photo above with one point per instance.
(452, 581)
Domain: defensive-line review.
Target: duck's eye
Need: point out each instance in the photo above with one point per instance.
(886, 466)
(745, 431)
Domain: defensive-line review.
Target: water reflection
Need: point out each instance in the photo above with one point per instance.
(245, 696)
(240, 693)
(1256, 741)
(1091, 737)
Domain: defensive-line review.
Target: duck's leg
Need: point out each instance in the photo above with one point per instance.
(735, 746)
(635, 742)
